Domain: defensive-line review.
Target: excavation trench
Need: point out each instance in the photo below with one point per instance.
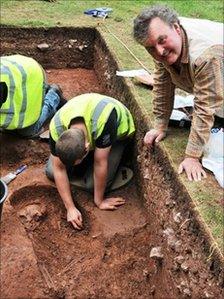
(42, 256)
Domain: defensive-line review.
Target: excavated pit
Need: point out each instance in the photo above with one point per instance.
(42, 256)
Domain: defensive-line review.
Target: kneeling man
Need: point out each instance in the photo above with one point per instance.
(87, 138)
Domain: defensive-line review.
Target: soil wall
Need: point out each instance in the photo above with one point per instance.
(51, 47)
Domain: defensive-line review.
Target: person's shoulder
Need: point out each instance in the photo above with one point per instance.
(210, 55)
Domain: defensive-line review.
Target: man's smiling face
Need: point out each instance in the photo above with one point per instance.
(164, 42)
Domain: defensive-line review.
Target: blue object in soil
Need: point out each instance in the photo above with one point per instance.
(100, 12)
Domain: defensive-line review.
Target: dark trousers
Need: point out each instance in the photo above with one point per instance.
(85, 169)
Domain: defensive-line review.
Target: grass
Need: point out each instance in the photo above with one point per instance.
(67, 11)
(206, 194)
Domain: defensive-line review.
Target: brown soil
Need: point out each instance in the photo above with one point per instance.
(42, 256)
(50, 258)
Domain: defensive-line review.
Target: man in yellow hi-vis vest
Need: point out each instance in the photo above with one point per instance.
(87, 137)
(26, 101)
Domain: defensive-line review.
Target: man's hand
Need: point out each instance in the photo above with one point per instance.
(75, 217)
(111, 203)
(154, 136)
(193, 169)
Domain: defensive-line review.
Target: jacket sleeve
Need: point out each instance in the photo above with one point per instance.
(208, 92)
(163, 96)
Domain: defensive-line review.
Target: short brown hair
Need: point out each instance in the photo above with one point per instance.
(70, 146)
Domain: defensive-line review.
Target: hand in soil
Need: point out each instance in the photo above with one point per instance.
(75, 217)
(111, 203)
(193, 169)
(154, 136)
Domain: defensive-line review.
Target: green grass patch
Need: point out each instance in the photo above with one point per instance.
(69, 12)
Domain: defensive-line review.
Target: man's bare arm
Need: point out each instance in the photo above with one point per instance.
(100, 179)
(63, 186)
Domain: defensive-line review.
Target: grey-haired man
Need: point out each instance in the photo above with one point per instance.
(188, 54)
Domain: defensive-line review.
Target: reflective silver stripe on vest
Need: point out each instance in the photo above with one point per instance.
(24, 91)
(9, 112)
(98, 110)
(60, 128)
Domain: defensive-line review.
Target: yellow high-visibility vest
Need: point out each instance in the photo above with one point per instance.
(95, 109)
(24, 78)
